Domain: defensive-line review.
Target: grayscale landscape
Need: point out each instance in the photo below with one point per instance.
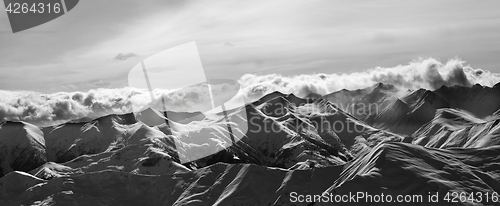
(251, 103)
(423, 141)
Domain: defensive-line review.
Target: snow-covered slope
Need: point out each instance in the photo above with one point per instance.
(406, 169)
(405, 116)
(391, 168)
(109, 143)
(366, 103)
(219, 184)
(22, 147)
(286, 130)
(67, 141)
(255, 155)
(456, 128)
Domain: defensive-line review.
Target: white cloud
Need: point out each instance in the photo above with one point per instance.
(44, 109)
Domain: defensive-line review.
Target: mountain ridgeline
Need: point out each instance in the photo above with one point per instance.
(376, 140)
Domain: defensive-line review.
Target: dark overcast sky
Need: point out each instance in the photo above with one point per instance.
(77, 51)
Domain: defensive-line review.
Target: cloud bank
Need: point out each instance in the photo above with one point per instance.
(49, 109)
(423, 73)
(52, 109)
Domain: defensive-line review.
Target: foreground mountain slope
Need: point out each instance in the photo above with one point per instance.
(140, 150)
(391, 168)
(219, 184)
(22, 147)
(70, 140)
(406, 169)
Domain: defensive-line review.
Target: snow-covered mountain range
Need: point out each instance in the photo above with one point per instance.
(376, 140)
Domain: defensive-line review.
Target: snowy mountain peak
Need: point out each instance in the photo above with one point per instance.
(22, 147)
